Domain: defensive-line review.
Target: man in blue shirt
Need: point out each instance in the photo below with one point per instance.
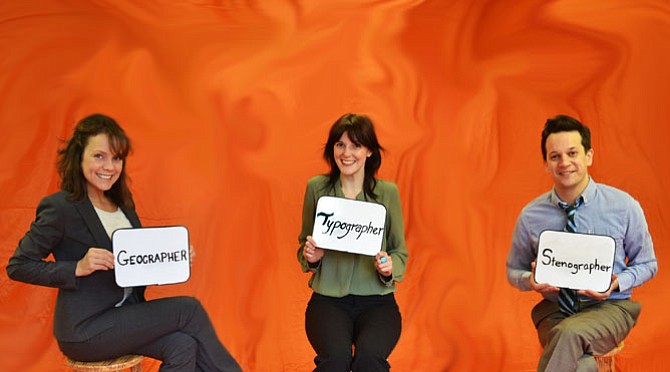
(601, 320)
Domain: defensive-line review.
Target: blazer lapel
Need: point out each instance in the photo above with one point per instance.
(132, 217)
(92, 221)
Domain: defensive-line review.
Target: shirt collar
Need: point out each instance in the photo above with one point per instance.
(588, 194)
(340, 193)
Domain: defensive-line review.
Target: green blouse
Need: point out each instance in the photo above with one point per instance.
(340, 273)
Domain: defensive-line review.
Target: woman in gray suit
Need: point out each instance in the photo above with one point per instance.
(94, 318)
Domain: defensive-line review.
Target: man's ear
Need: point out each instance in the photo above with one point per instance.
(589, 157)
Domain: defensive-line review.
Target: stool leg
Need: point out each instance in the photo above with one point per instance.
(606, 363)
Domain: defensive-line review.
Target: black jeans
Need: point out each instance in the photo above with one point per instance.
(372, 324)
(175, 330)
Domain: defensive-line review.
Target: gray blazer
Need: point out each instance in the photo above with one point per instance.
(67, 230)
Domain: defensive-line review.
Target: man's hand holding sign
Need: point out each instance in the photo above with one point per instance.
(578, 261)
(350, 226)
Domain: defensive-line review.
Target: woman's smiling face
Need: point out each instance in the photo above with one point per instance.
(350, 156)
(101, 167)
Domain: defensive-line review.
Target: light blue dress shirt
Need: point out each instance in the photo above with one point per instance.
(606, 211)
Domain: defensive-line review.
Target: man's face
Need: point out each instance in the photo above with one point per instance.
(567, 162)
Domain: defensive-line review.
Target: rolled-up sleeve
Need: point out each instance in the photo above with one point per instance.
(395, 246)
(520, 256)
(642, 264)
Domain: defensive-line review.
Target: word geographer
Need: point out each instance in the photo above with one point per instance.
(124, 259)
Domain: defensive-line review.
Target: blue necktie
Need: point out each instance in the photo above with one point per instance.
(567, 298)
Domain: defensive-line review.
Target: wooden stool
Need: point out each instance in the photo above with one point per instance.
(134, 362)
(606, 361)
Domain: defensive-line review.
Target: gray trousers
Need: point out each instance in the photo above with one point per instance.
(175, 330)
(570, 342)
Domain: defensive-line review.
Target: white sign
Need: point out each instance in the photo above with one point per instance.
(573, 260)
(348, 225)
(151, 255)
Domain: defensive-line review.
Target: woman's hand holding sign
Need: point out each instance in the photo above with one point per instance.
(95, 259)
(384, 264)
(311, 253)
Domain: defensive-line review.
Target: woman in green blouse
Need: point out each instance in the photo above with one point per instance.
(353, 301)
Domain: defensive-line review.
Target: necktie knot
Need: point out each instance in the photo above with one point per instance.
(571, 208)
(570, 212)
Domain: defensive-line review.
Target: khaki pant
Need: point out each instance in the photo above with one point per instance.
(570, 342)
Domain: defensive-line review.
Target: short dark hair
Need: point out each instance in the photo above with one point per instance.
(360, 130)
(71, 155)
(565, 123)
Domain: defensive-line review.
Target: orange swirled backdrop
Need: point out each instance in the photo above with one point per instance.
(229, 103)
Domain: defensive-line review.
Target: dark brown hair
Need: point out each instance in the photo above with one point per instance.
(360, 130)
(565, 123)
(70, 158)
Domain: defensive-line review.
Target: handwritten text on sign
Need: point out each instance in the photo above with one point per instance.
(151, 255)
(577, 261)
(349, 225)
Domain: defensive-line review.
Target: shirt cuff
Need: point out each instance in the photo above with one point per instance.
(625, 282)
(313, 267)
(524, 283)
(386, 280)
